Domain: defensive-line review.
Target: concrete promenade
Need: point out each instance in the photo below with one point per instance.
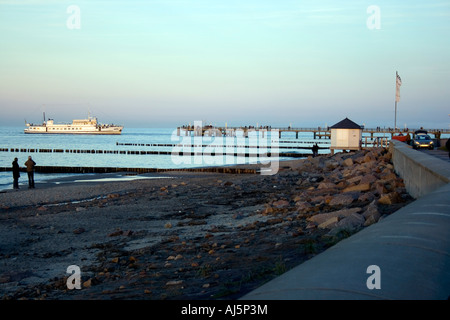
(402, 257)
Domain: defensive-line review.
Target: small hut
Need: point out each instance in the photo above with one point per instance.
(345, 135)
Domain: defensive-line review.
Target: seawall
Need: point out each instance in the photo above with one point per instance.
(421, 172)
(404, 256)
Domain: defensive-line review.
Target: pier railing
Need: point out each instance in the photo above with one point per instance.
(318, 132)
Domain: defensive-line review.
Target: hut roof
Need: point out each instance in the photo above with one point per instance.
(346, 124)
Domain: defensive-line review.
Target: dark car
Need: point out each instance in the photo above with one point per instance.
(422, 140)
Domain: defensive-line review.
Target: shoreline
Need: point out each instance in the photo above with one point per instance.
(114, 173)
(187, 235)
(123, 174)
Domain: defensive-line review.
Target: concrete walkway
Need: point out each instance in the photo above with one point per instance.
(441, 154)
(404, 256)
(411, 248)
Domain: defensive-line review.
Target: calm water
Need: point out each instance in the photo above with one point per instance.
(13, 137)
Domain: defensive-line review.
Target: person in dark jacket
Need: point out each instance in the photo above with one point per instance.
(315, 150)
(16, 173)
(447, 145)
(30, 171)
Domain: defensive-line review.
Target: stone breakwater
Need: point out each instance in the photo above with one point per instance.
(194, 236)
(347, 191)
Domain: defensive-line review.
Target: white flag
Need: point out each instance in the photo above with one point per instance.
(397, 89)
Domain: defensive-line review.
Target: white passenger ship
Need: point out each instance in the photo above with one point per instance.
(83, 126)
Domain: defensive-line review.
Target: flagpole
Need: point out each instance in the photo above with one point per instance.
(395, 117)
(397, 95)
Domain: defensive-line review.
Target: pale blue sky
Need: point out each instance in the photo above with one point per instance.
(244, 62)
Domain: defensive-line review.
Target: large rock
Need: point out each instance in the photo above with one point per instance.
(303, 206)
(343, 199)
(366, 197)
(348, 162)
(390, 198)
(356, 179)
(326, 185)
(372, 214)
(364, 168)
(281, 204)
(331, 164)
(389, 177)
(368, 178)
(379, 188)
(359, 187)
(323, 217)
(329, 223)
(352, 222)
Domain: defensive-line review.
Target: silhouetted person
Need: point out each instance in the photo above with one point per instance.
(16, 173)
(447, 145)
(30, 171)
(315, 150)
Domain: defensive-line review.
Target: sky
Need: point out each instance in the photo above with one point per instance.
(167, 63)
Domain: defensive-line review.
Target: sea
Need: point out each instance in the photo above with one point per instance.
(139, 147)
(125, 150)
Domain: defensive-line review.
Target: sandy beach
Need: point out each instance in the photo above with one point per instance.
(187, 235)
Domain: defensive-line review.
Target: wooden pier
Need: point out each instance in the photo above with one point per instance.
(318, 132)
(232, 131)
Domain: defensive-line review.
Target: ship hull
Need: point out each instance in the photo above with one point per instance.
(75, 133)
(83, 126)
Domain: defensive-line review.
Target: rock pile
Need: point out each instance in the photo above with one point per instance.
(345, 191)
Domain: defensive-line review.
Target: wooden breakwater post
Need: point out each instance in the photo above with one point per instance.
(81, 170)
(266, 152)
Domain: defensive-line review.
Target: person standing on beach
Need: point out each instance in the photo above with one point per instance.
(16, 173)
(30, 171)
(315, 150)
(447, 145)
